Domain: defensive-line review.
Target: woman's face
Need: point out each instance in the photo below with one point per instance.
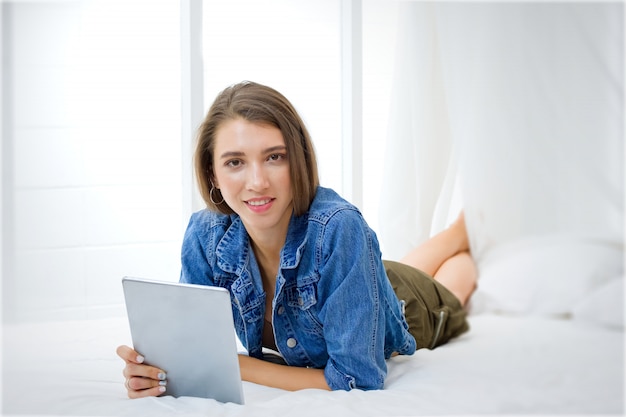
(252, 172)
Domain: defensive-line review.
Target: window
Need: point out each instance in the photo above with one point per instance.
(292, 46)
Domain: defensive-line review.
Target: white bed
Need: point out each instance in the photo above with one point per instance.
(506, 364)
(543, 194)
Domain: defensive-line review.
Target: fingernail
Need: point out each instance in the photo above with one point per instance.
(161, 376)
(140, 359)
(162, 383)
(161, 389)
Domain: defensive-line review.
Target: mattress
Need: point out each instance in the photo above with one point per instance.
(506, 364)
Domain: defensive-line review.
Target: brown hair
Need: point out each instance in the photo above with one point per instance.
(257, 103)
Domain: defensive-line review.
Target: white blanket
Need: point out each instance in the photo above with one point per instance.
(506, 364)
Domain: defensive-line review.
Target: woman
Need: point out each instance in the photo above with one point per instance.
(303, 268)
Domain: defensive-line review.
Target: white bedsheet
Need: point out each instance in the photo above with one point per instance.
(504, 365)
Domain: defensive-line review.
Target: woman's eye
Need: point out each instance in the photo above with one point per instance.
(233, 163)
(276, 157)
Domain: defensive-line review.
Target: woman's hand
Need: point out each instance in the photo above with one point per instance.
(141, 380)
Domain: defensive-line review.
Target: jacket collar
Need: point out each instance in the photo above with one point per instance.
(295, 242)
(232, 250)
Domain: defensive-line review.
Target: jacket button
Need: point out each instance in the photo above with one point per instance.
(281, 310)
(291, 342)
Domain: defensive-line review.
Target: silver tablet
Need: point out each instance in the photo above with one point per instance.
(186, 330)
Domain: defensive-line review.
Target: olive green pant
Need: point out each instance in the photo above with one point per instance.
(433, 313)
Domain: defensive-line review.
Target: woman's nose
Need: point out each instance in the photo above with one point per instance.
(257, 177)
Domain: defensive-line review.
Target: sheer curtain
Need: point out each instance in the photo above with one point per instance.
(523, 102)
(419, 170)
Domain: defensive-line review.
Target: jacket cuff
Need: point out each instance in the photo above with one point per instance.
(338, 380)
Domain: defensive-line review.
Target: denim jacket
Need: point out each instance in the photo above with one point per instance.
(333, 307)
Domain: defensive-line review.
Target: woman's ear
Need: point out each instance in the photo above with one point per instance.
(212, 180)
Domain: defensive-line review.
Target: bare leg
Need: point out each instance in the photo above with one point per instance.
(446, 258)
(458, 274)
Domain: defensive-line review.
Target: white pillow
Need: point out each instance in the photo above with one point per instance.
(545, 275)
(604, 306)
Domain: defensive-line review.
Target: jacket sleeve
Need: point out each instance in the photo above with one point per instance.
(195, 267)
(352, 314)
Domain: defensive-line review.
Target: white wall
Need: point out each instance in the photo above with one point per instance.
(92, 191)
(292, 46)
(91, 149)
(2, 164)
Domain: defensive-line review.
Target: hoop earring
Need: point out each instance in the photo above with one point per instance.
(211, 196)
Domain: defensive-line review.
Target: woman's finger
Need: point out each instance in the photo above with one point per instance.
(144, 371)
(129, 354)
(138, 383)
(152, 391)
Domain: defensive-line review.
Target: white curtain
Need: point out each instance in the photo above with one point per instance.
(419, 173)
(524, 103)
